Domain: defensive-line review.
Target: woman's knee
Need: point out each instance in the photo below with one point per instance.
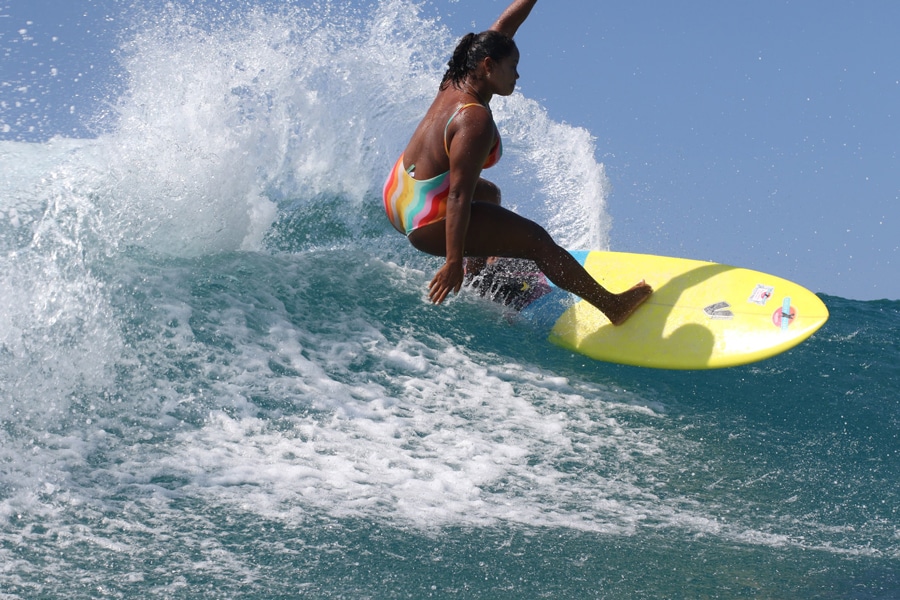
(540, 244)
(486, 191)
(536, 233)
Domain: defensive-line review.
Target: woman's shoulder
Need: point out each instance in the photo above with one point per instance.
(452, 106)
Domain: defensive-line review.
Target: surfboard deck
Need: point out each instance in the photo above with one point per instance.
(702, 315)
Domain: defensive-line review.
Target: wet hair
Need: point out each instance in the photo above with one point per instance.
(471, 50)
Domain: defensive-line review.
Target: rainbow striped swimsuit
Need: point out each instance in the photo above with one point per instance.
(411, 203)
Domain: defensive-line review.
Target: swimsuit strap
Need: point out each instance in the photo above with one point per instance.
(458, 110)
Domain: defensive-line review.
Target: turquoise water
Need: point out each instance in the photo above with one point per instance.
(220, 375)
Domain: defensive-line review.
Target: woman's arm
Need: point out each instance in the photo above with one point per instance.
(513, 17)
(469, 148)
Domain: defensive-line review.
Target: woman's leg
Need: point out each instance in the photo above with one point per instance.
(488, 192)
(495, 231)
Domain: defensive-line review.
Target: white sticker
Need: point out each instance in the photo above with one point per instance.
(761, 294)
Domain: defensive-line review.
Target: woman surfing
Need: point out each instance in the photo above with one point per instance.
(435, 194)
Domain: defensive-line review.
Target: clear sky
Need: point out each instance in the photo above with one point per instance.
(761, 134)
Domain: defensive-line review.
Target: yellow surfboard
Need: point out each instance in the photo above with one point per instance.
(701, 315)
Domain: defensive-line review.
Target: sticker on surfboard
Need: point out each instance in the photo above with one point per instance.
(761, 294)
(720, 311)
(784, 315)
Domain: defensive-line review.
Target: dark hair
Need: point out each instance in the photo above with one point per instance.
(471, 50)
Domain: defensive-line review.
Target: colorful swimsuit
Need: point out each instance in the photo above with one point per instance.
(411, 203)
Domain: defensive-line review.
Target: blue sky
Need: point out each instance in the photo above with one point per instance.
(763, 134)
(760, 134)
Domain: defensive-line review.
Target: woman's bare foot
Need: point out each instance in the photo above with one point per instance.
(623, 305)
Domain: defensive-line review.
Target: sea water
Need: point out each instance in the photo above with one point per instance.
(220, 376)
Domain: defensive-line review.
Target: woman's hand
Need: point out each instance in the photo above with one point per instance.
(449, 278)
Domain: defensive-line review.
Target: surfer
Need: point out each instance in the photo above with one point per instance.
(435, 194)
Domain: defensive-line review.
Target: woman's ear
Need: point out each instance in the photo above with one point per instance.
(488, 64)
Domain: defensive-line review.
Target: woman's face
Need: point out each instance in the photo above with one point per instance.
(504, 74)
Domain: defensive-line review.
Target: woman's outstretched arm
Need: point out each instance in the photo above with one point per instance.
(513, 17)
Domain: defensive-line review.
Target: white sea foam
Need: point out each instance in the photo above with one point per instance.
(457, 445)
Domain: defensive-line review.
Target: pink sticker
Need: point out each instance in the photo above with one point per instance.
(778, 315)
